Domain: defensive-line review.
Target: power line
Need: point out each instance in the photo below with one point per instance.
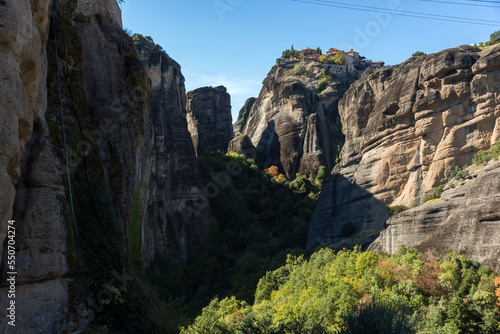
(461, 4)
(401, 13)
(498, 2)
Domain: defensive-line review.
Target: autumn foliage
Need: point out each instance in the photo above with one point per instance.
(497, 292)
(273, 171)
(281, 178)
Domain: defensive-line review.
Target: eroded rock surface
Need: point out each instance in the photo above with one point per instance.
(78, 105)
(177, 207)
(468, 222)
(209, 118)
(408, 125)
(241, 144)
(293, 124)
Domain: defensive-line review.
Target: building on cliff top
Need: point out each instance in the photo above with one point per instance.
(353, 61)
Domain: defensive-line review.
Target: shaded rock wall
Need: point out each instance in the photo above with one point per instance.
(407, 126)
(23, 66)
(209, 118)
(177, 208)
(243, 115)
(124, 146)
(292, 124)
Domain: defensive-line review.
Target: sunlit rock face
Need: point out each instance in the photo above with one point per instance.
(293, 124)
(407, 126)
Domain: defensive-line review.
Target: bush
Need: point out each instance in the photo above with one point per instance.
(348, 229)
(418, 53)
(458, 173)
(299, 70)
(339, 59)
(494, 38)
(485, 156)
(394, 210)
(324, 80)
(434, 193)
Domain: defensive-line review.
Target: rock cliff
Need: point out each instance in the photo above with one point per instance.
(209, 118)
(97, 162)
(466, 220)
(177, 208)
(406, 127)
(294, 123)
(243, 115)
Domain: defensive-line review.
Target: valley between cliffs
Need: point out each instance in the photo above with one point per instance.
(135, 202)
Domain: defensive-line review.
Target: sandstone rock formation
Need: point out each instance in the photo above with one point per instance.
(241, 144)
(23, 66)
(177, 208)
(243, 115)
(466, 220)
(293, 124)
(407, 126)
(78, 106)
(209, 118)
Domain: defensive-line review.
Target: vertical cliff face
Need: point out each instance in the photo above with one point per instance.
(79, 108)
(406, 127)
(209, 118)
(177, 208)
(243, 115)
(23, 66)
(92, 131)
(294, 124)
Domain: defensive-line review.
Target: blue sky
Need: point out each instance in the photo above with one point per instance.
(236, 42)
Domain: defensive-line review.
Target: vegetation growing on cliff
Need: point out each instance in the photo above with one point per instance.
(356, 292)
(485, 156)
(258, 217)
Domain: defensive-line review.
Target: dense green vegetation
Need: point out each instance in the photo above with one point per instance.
(356, 292)
(258, 217)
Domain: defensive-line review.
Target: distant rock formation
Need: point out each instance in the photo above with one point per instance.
(209, 118)
(243, 115)
(294, 123)
(467, 220)
(406, 127)
(241, 144)
(177, 209)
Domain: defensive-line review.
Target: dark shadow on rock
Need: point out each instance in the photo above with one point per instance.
(269, 146)
(341, 203)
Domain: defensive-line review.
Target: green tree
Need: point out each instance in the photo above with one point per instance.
(319, 51)
(287, 54)
(323, 174)
(323, 59)
(339, 59)
(418, 53)
(494, 38)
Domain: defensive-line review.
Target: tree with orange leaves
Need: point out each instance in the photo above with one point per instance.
(273, 171)
(281, 178)
(497, 292)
